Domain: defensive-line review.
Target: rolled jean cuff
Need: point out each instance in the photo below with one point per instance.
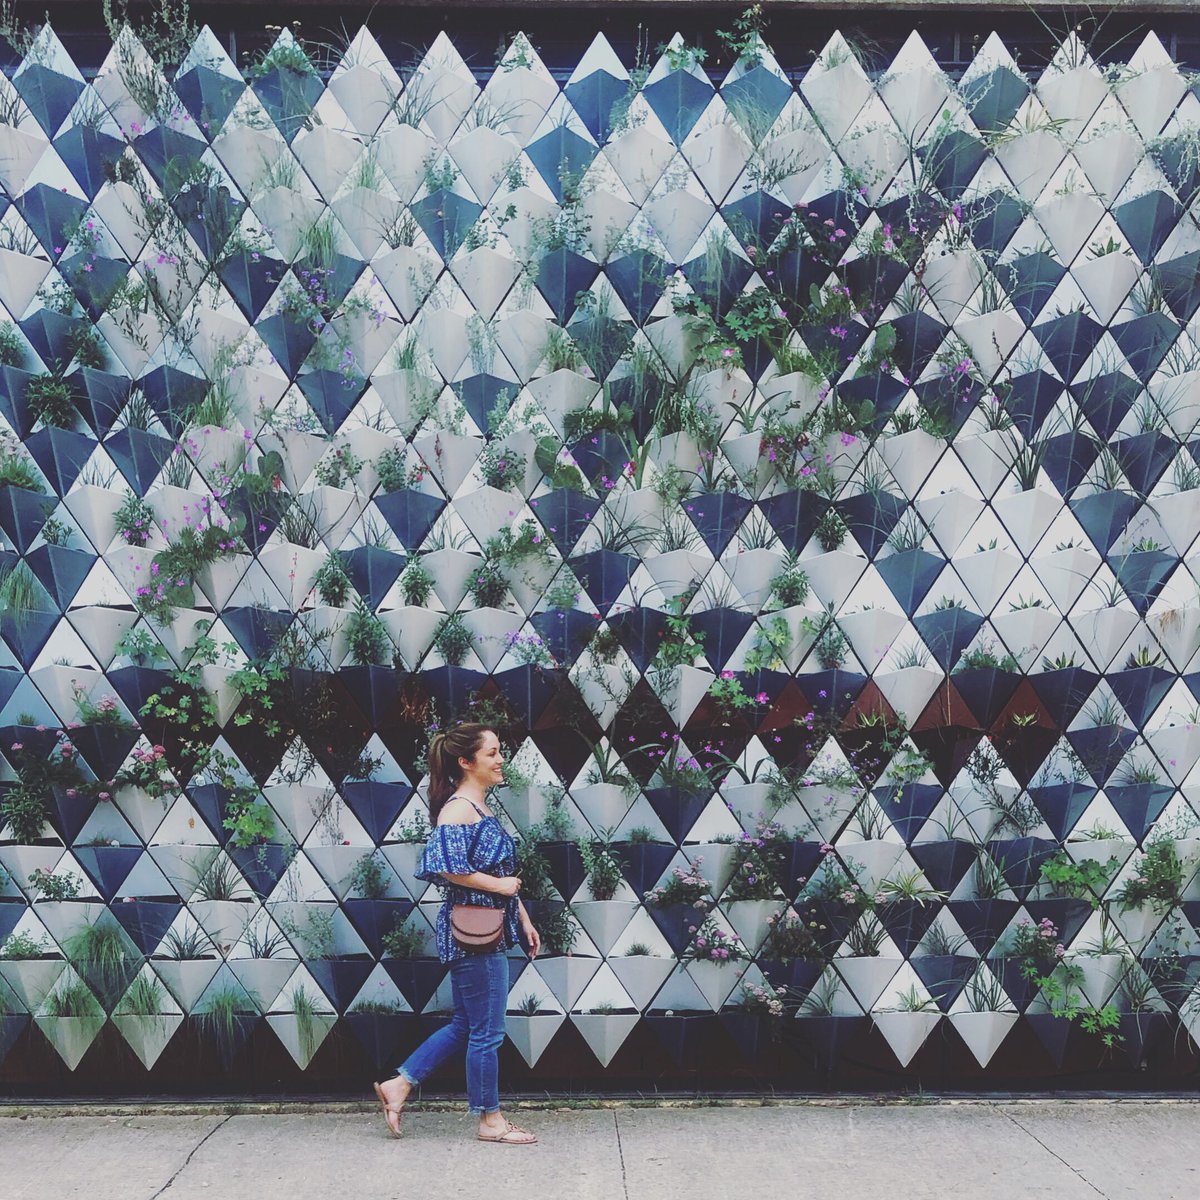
(407, 1077)
(478, 1110)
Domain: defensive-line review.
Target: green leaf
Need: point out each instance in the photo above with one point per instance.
(546, 454)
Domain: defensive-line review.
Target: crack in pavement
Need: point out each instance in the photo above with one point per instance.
(621, 1154)
(191, 1154)
(1053, 1154)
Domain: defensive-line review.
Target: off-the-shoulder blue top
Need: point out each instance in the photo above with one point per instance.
(484, 845)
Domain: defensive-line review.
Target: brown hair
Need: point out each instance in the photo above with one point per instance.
(446, 748)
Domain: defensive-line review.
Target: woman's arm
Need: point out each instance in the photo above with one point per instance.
(532, 937)
(481, 881)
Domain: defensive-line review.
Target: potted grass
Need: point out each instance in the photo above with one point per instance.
(640, 971)
(220, 899)
(864, 968)
(304, 1026)
(71, 1017)
(103, 955)
(983, 1016)
(603, 917)
(909, 1023)
(186, 961)
(225, 1018)
(147, 1018)
(531, 1025)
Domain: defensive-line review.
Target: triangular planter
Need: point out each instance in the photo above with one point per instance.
(906, 1032)
(983, 1032)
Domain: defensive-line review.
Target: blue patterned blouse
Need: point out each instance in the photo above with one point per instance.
(485, 846)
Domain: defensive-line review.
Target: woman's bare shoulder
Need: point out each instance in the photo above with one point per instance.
(457, 811)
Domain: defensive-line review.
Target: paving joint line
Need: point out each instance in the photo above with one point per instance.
(620, 1152)
(191, 1154)
(1054, 1154)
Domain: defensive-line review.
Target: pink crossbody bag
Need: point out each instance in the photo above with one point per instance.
(476, 928)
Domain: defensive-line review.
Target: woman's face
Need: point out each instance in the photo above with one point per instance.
(487, 765)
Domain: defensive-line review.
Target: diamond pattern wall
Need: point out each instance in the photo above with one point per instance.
(798, 468)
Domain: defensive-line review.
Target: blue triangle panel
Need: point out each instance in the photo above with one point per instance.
(139, 456)
(51, 214)
(61, 571)
(410, 515)
(593, 98)
(678, 100)
(48, 94)
(209, 97)
(89, 154)
(62, 454)
(561, 156)
(639, 279)
(22, 515)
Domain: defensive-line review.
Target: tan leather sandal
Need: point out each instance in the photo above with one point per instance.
(506, 1138)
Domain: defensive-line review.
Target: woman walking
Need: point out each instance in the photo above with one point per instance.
(472, 858)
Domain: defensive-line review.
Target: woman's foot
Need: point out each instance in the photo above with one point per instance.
(392, 1095)
(493, 1127)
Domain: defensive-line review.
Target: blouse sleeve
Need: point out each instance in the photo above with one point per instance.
(446, 853)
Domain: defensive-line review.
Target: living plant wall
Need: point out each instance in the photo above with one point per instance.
(799, 468)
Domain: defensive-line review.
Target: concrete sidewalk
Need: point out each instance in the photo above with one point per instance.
(852, 1150)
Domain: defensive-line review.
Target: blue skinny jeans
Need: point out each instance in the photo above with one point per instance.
(479, 983)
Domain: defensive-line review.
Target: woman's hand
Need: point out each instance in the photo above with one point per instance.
(506, 885)
(532, 938)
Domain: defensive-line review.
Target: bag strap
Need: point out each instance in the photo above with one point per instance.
(479, 811)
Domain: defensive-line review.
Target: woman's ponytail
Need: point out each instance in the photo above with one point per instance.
(445, 749)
